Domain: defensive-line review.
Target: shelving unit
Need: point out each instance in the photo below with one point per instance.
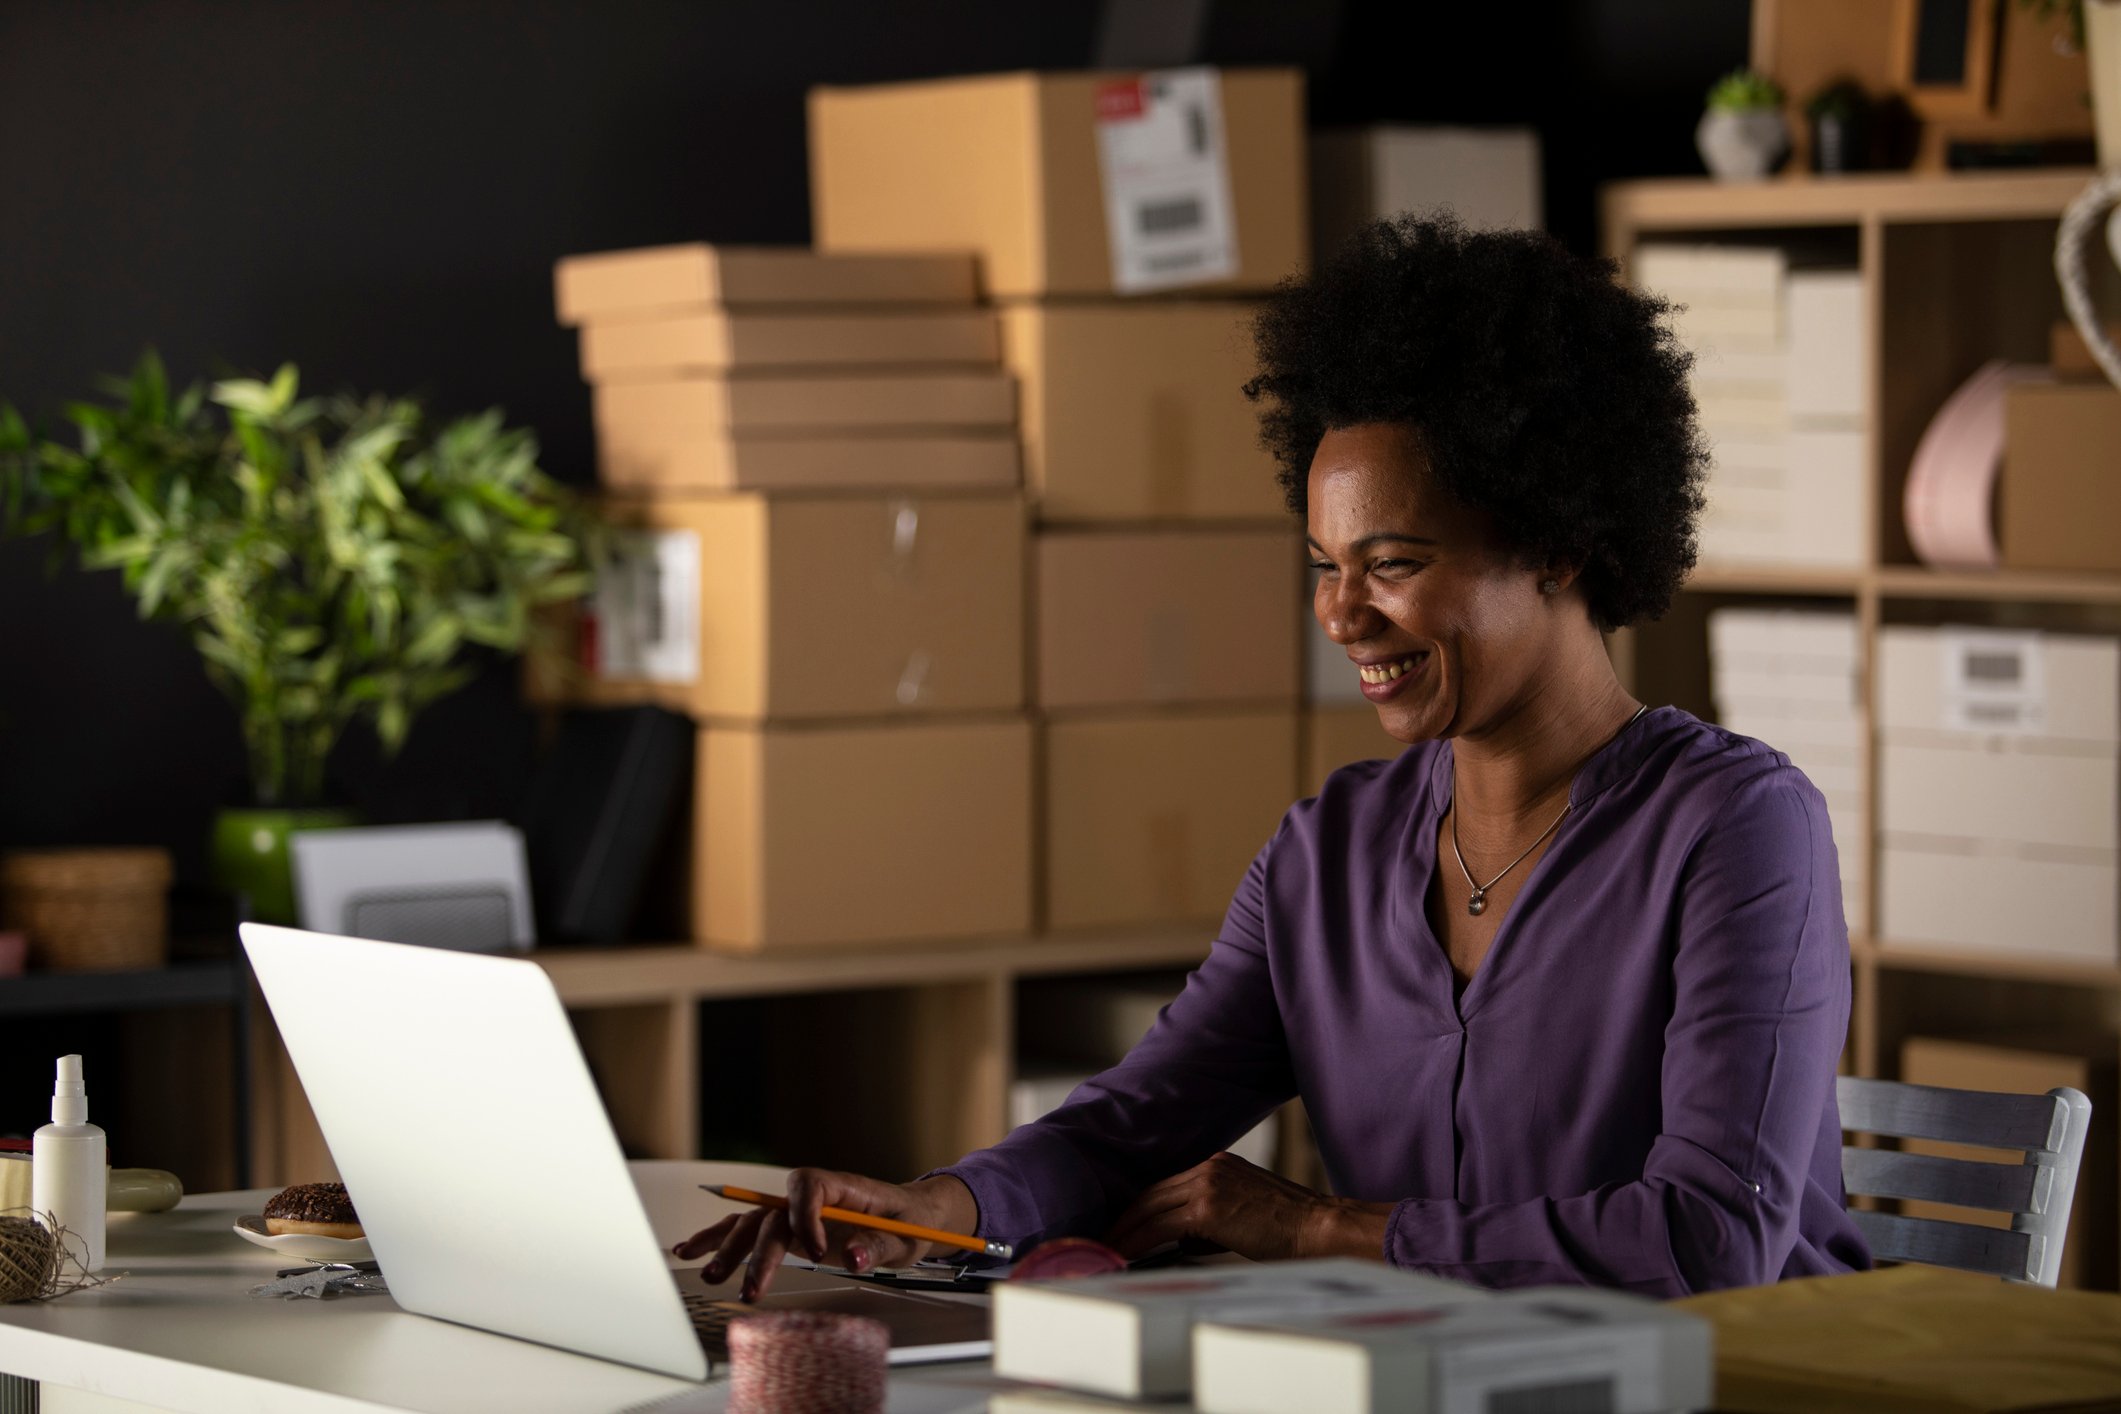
(1958, 270)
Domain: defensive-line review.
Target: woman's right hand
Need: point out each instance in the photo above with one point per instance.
(760, 1237)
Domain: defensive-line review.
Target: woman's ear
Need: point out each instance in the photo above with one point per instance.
(1557, 575)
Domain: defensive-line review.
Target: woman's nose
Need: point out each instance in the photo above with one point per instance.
(1344, 614)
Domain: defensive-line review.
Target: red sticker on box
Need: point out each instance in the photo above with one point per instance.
(1120, 99)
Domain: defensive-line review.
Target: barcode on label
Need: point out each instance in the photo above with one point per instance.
(1161, 218)
(1572, 1397)
(1993, 667)
(1994, 714)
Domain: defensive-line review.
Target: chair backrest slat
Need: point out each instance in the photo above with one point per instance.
(2048, 1129)
(1888, 1107)
(1991, 1251)
(1963, 1183)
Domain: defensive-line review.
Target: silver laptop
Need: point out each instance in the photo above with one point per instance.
(471, 1138)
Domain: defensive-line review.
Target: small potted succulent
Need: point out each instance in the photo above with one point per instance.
(334, 561)
(1742, 137)
(1840, 136)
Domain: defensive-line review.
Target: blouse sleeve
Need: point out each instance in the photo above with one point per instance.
(1214, 1065)
(1761, 1001)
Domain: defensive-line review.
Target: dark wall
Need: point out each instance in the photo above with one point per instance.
(377, 190)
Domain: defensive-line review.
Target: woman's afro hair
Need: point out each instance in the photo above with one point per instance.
(1543, 391)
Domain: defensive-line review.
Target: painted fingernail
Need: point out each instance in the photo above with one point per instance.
(713, 1272)
(750, 1292)
(858, 1258)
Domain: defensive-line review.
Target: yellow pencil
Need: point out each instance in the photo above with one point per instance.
(980, 1245)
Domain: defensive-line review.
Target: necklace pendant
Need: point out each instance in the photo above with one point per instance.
(1478, 903)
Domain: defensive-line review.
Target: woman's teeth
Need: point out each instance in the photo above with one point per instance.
(1385, 672)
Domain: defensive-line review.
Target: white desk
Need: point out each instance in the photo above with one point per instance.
(180, 1331)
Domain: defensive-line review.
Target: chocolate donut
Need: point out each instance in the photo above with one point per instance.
(319, 1209)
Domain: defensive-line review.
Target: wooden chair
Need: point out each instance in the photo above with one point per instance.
(2050, 1129)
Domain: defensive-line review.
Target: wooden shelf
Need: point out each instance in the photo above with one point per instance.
(1908, 582)
(602, 977)
(2017, 586)
(1955, 962)
(1774, 579)
(1698, 203)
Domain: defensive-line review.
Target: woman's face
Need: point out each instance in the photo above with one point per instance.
(1446, 629)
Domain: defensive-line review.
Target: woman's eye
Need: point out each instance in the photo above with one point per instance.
(1395, 566)
(1321, 565)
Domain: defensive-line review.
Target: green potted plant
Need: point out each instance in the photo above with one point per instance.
(334, 561)
(1742, 137)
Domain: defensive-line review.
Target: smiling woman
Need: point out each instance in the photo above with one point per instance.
(1564, 986)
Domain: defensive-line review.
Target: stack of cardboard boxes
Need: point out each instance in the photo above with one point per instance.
(1789, 677)
(1119, 221)
(1781, 382)
(2000, 791)
(812, 468)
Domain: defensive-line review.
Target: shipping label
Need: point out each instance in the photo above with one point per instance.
(1167, 180)
(647, 608)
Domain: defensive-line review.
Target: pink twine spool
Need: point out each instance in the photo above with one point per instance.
(807, 1362)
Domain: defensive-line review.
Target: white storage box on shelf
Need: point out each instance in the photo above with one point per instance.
(1780, 385)
(1789, 678)
(2000, 791)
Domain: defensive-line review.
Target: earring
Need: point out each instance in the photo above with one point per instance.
(1550, 586)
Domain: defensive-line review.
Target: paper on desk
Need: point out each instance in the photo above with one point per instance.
(1912, 1338)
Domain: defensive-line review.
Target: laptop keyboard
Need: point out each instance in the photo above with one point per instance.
(710, 1320)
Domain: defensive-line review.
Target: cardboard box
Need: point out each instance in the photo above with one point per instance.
(677, 462)
(1036, 173)
(1137, 412)
(1488, 177)
(1984, 681)
(707, 404)
(714, 340)
(2021, 1064)
(1339, 736)
(2061, 492)
(811, 837)
(1154, 819)
(667, 279)
(2072, 357)
(1140, 617)
(2000, 898)
(2017, 789)
(753, 607)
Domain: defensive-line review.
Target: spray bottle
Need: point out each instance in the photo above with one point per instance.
(68, 1170)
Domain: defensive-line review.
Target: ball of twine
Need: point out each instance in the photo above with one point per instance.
(807, 1362)
(30, 1260)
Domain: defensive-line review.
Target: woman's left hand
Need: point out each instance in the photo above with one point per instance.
(1254, 1213)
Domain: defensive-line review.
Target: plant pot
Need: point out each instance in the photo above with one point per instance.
(1837, 143)
(250, 855)
(2102, 52)
(1741, 145)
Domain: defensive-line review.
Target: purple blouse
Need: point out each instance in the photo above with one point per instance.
(1635, 1090)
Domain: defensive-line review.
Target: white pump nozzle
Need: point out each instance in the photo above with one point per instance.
(69, 1095)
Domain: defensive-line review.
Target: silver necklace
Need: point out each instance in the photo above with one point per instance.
(1477, 902)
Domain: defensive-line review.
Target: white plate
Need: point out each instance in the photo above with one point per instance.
(307, 1246)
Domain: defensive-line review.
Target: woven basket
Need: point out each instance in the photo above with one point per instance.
(89, 910)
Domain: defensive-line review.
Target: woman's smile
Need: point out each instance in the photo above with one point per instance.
(1385, 678)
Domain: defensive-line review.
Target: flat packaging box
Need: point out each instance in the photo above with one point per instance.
(1045, 176)
(827, 836)
(1993, 897)
(666, 279)
(1532, 1349)
(1340, 736)
(718, 607)
(2060, 497)
(710, 404)
(1488, 177)
(2026, 1064)
(1129, 1334)
(2017, 789)
(654, 461)
(1154, 819)
(1137, 411)
(1144, 617)
(1983, 681)
(1828, 361)
(717, 340)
